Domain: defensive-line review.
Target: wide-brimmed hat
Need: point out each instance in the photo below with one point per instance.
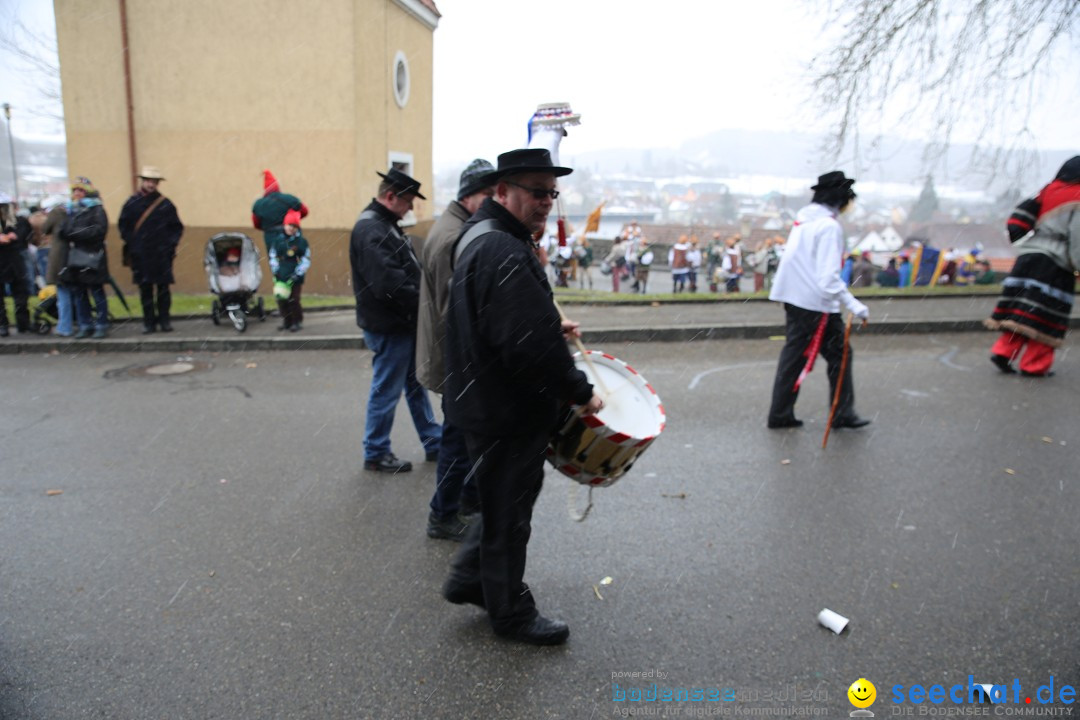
(474, 178)
(149, 172)
(526, 160)
(402, 183)
(833, 179)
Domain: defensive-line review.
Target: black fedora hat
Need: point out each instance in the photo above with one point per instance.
(526, 160)
(833, 179)
(402, 183)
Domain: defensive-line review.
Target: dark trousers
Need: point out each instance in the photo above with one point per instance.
(455, 489)
(14, 275)
(799, 329)
(291, 312)
(509, 474)
(164, 303)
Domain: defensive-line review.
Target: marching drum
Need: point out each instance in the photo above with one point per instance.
(596, 450)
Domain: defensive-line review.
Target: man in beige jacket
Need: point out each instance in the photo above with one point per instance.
(454, 496)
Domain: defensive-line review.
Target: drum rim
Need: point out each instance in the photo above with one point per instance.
(639, 381)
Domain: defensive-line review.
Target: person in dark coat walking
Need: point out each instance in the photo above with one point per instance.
(508, 373)
(151, 230)
(386, 283)
(268, 212)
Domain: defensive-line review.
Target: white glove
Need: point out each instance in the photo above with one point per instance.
(858, 309)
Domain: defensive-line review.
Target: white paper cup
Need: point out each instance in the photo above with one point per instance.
(833, 621)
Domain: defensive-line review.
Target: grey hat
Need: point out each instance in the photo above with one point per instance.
(473, 178)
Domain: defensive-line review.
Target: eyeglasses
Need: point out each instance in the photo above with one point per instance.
(537, 193)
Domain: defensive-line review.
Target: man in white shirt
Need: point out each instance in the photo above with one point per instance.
(808, 283)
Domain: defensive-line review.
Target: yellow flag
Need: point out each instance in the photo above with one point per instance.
(592, 224)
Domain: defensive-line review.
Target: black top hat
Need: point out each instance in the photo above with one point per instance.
(833, 179)
(401, 182)
(526, 160)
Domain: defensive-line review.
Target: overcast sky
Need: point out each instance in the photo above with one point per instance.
(642, 74)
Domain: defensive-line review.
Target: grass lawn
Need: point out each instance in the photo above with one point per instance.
(186, 305)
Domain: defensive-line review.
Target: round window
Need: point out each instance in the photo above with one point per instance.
(401, 79)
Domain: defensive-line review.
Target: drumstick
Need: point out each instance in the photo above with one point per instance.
(839, 380)
(584, 352)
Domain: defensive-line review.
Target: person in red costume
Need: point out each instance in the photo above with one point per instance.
(1037, 297)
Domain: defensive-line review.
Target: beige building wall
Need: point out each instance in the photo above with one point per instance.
(223, 90)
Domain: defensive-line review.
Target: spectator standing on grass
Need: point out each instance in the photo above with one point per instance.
(268, 212)
(863, 271)
(290, 259)
(693, 257)
(151, 231)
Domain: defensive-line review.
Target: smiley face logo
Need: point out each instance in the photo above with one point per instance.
(862, 693)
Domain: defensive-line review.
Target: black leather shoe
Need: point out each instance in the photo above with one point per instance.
(4, 332)
(777, 424)
(461, 594)
(449, 529)
(388, 464)
(1025, 373)
(540, 631)
(147, 329)
(1003, 364)
(850, 422)
(165, 326)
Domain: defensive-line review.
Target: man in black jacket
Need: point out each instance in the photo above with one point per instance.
(151, 231)
(386, 283)
(508, 371)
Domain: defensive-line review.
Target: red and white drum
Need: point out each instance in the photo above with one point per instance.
(597, 450)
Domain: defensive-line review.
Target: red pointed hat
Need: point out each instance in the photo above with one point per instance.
(270, 183)
(292, 217)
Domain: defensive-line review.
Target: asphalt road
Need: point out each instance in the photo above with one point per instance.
(217, 552)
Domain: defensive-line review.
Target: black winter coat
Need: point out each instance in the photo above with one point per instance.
(385, 274)
(508, 368)
(85, 227)
(153, 248)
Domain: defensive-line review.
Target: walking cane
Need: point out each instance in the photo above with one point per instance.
(839, 380)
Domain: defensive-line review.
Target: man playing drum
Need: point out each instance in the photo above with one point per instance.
(508, 372)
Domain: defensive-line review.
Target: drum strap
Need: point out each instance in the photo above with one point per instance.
(481, 228)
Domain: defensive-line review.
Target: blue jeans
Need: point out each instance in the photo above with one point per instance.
(42, 262)
(64, 310)
(394, 364)
(454, 487)
(100, 319)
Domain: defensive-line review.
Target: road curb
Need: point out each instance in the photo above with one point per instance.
(672, 334)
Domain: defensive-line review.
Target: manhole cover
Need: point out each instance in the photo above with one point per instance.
(175, 368)
(181, 366)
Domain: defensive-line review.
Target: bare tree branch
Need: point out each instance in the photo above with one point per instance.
(947, 64)
(35, 54)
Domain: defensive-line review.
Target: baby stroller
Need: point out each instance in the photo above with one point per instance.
(46, 311)
(232, 267)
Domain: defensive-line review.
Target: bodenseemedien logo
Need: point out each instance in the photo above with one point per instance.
(861, 694)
